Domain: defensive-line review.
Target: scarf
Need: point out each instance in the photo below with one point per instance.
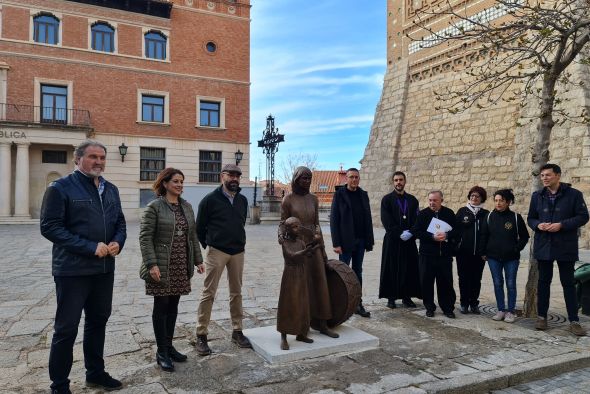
(474, 208)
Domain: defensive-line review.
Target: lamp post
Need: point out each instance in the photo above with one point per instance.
(270, 145)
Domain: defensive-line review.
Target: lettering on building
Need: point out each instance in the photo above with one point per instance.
(12, 134)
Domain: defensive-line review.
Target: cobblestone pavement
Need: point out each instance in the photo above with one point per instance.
(567, 383)
(416, 354)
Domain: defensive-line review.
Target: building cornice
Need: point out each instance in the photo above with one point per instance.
(158, 8)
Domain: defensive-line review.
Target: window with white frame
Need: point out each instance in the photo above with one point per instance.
(54, 104)
(210, 112)
(153, 107)
(46, 29)
(102, 37)
(155, 45)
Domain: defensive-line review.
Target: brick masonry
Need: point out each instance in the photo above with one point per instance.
(107, 84)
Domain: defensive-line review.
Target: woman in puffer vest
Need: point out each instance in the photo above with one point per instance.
(170, 251)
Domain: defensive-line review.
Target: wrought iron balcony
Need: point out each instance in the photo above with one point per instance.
(19, 113)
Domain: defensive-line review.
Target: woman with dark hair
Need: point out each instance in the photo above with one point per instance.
(505, 235)
(304, 206)
(469, 248)
(170, 251)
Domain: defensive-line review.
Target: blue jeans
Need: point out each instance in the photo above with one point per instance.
(510, 269)
(356, 255)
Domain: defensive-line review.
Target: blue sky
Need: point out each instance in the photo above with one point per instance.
(318, 67)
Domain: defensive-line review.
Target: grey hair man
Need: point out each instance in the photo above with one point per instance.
(435, 228)
(81, 214)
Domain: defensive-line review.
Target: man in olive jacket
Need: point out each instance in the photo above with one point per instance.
(220, 228)
(555, 214)
(81, 214)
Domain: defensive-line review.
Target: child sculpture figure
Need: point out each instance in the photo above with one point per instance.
(293, 315)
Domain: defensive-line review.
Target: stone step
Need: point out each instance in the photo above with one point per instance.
(16, 220)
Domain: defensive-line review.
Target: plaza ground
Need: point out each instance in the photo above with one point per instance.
(416, 354)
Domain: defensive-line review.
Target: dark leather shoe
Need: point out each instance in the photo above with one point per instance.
(450, 315)
(475, 310)
(239, 339)
(362, 311)
(175, 355)
(391, 305)
(104, 381)
(541, 324)
(408, 303)
(464, 309)
(61, 391)
(163, 360)
(429, 313)
(202, 347)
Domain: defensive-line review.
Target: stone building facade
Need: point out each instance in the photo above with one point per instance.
(439, 150)
(169, 80)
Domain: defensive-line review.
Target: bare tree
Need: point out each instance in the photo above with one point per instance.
(518, 50)
(294, 160)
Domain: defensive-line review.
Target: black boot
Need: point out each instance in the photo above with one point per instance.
(162, 355)
(174, 354)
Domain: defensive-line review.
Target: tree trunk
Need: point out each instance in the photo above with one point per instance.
(540, 157)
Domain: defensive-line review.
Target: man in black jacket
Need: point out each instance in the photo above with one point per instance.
(436, 254)
(351, 226)
(81, 214)
(220, 228)
(555, 214)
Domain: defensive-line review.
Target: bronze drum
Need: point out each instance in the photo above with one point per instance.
(345, 293)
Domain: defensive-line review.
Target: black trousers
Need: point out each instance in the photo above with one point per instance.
(470, 269)
(92, 294)
(566, 276)
(439, 269)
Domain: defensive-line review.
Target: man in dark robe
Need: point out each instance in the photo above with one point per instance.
(400, 278)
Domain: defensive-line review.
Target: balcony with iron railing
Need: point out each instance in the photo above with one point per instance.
(50, 116)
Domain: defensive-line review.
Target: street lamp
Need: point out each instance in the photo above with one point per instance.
(122, 151)
(239, 155)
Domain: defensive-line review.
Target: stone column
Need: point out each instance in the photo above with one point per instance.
(3, 87)
(5, 175)
(21, 189)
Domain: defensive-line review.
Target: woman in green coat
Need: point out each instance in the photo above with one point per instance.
(170, 251)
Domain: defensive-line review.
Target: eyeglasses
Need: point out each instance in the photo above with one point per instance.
(475, 196)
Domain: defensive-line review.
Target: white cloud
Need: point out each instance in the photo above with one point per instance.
(340, 66)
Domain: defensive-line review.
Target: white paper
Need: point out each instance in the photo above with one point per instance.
(438, 226)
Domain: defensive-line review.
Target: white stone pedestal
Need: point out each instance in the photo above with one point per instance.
(266, 341)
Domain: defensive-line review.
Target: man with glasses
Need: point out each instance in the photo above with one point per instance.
(220, 228)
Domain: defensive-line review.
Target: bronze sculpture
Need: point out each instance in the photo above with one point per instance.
(293, 312)
(304, 206)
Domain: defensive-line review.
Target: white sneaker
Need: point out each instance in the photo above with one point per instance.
(510, 317)
(499, 316)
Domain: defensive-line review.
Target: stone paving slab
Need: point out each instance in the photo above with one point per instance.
(266, 341)
(415, 355)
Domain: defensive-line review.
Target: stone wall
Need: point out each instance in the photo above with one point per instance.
(439, 150)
